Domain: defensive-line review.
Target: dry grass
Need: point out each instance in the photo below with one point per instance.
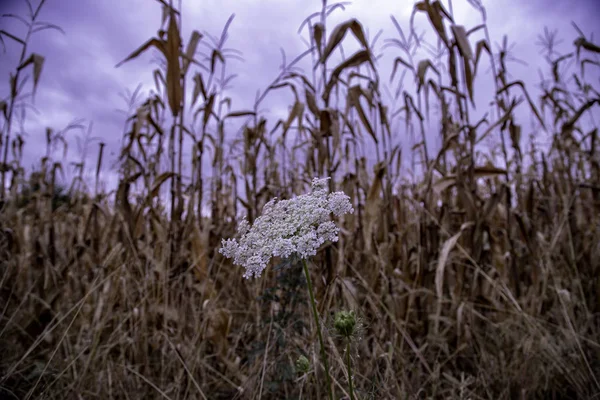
(478, 279)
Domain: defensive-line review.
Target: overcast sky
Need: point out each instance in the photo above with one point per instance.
(80, 81)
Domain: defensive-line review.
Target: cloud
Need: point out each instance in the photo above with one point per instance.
(80, 79)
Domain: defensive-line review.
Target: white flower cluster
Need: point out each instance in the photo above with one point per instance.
(299, 225)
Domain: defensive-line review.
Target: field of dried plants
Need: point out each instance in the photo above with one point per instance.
(475, 271)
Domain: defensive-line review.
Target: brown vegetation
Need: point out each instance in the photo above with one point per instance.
(479, 279)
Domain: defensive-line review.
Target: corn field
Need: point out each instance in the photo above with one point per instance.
(474, 268)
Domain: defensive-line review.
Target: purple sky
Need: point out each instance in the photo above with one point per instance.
(80, 80)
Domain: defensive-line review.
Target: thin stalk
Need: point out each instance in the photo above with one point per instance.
(349, 362)
(316, 316)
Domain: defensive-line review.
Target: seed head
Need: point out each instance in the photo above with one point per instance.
(345, 323)
(302, 364)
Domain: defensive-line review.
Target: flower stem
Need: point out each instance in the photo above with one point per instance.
(316, 315)
(349, 361)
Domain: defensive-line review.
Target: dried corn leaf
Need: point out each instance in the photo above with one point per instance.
(4, 109)
(296, 113)
(208, 109)
(479, 47)
(38, 62)
(434, 11)
(531, 105)
(216, 54)
(10, 35)
(358, 58)
(443, 260)
(338, 33)
(198, 88)
(422, 70)
(173, 46)
(383, 111)
(312, 103)
(373, 204)
(469, 77)
(462, 41)
(354, 94)
(325, 119)
(400, 60)
(318, 37)
(501, 121)
(170, 49)
(157, 184)
(452, 69)
(488, 172)
(191, 50)
(240, 114)
(444, 183)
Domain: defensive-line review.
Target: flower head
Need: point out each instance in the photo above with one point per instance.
(299, 225)
(345, 323)
(302, 364)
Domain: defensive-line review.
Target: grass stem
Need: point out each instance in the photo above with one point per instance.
(317, 323)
